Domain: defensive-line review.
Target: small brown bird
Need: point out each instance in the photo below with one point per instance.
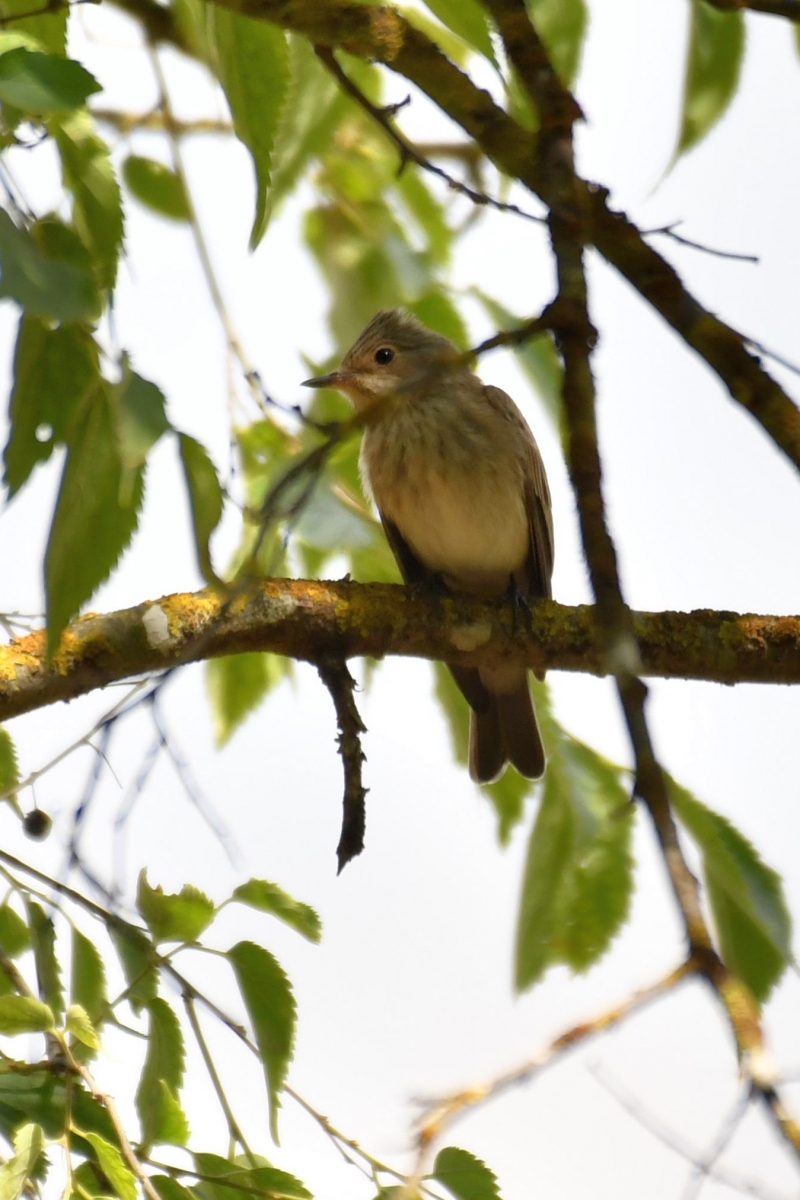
(461, 490)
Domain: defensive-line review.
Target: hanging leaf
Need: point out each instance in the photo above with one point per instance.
(156, 187)
(15, 937)
(9, 771)
(175, 917)
(269, 898)
(270, 1005)
(141, 419)
(137, 956)
(43, 287)
(43, 944)
(160, 1115)
(467, 19)
(205, 499)
(40, 83)
(96, 199)
(237, 684)
(751, 917)
(464, 1175)
(252, 63)
(561, 24)
(713, 63)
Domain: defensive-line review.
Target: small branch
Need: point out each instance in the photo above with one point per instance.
(517, 337)
(341, 685)
(669, 231)
(234, 1128)
(125, 1145)
(156, 122)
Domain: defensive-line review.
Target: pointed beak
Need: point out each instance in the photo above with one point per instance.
(335, 379)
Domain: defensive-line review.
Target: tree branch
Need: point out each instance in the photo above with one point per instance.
(313, 620)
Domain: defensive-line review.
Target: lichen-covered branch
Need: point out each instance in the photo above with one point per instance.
(313, 620)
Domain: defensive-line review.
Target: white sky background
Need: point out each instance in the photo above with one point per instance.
(410, 992)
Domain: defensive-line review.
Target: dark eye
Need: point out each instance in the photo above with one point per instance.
(384, 355)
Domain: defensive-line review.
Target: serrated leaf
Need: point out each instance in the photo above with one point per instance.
(137, 956)
(96, 199)
(751, 917)
(78, 1023)
(205, 499)
(24, 1014)
(464, 1175)
(15, 938)
(113, 1165)
(53, 371)
(469, 21)
(9, 770)
(174, 916)
(47, 30)
(561, 24)
(141, 417)
(579, 871)
(538, 357)
(236, 1181)
(95, 516)
(268, 897)
(40, 83)
(44, 288)
(252, 63)
(237, 684)
(14, 1174)
(157, 187)
(87, 977)
(164, 1065)
(713, 63)
(270, 1004)
(43, 943)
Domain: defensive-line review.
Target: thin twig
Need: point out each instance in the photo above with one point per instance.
(341, 685)
(233, 1125)
(669, 231)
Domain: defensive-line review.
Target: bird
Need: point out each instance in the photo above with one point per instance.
(460, 487)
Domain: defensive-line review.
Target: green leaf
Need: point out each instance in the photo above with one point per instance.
(95, 516)
(113, 1165)
(237, 1181)
(87, 977)
(713, 62)
(137, 956)
(9, 771)
(464, 1175)
(236, 686)
(44, 288)
(205, 499)
(160, 1114)
(269, 898)
(96, 199)
(47, 30)
(252, 62)
(468, 20)
(80, 1026)
(538, 357)
(15, 938)
(53, 372)
(174, 917)
(141, 419)
(156, 187)
(751, 917)
(270, 1004)
(428, 214)
(43, 944)
(579, 871)
(28, 1145)
(24, 1014)
(43, 83)
(561, 24)
(169, 1188)
(438, 312)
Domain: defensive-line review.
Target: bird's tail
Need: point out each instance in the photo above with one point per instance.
(506, 730)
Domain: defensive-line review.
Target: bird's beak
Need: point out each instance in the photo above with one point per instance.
(335, 379)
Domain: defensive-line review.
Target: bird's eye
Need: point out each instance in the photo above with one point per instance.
(384, 355)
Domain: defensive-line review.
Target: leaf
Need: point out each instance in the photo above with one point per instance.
(464, 1175)
(14, 936)
(269, 898)
(43, 944)
(137, 956)
(53, 372)
(579, 871)
(141, 419)
(174, 917)
(87, 977)
(43, 83)
(169, 1188)
(561, 24)
(9, 771)
(237, 1181)
(205, 499)
(96, 199)
(713, 62)
(156, 187)
(48, 30)
(94, 518)
(428, 214)
(113, 1166)
(252, 62)
(468, 20)
(24, 1014)
(237, 684)
(270, 1004)
(538, 357)
(28, 1145)
(751, 917)
(160, 1114)
(80, 1026)
(44, 288)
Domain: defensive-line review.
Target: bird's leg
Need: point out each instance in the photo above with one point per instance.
(519, 603)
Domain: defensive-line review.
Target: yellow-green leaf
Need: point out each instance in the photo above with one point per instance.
(713, 63)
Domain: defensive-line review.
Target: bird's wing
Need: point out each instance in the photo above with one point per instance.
(539, 565)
